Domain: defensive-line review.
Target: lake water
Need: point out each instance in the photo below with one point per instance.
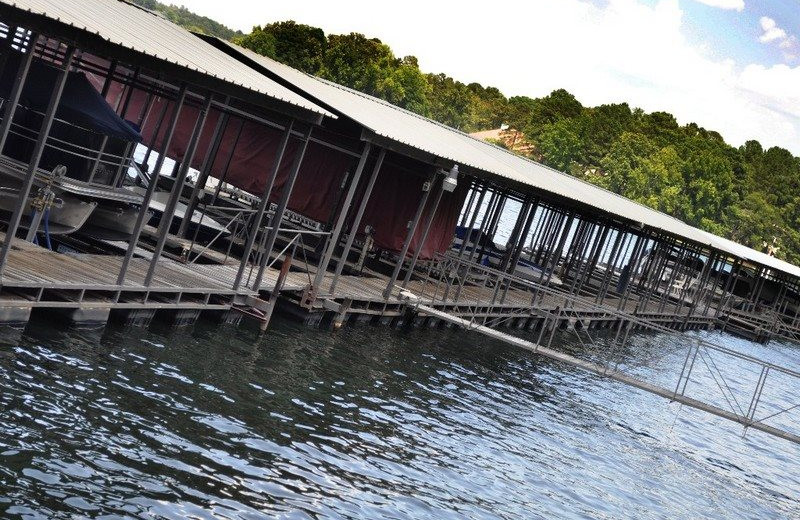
(366, 422)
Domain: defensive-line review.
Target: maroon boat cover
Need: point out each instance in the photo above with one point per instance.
(392, 205)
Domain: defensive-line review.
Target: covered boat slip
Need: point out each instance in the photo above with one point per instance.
(386, 200)
(328, 204)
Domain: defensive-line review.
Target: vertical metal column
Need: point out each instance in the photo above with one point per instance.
(177, 188)
(511, 243)
(426, 230)
(161, 116)
(13, 99)
(262, 205)
(485, 222)
(472, 220)
(333, 239)
(610, 266)
(30, 173)
(205, 169)
(277, 218)
(151, 187)
(357, 220)
(468, 208)
(412, 229)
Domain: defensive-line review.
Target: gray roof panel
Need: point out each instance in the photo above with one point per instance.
(402, 126)
(143, 31)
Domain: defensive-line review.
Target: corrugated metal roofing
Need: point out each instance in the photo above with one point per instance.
(402, 126)
(133, 27)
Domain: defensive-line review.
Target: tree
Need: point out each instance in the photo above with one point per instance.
(518, 111)
(297, 45)
(625, 157)
(559, 105)
(490, 107)
(450, 101)
(559, 145)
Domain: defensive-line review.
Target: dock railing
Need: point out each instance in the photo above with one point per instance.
(752, 392)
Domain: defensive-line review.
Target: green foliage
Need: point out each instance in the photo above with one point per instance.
(189, 20)
(297, 45)
(559, 144)
(368, 65)
(450, 101)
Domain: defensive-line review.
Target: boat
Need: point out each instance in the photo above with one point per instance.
(493, 254)
(158, 204)
(82, 164)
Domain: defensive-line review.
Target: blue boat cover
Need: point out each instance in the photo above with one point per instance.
(81, 104)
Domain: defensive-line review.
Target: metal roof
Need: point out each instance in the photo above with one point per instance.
(401, 126)
(135, 28)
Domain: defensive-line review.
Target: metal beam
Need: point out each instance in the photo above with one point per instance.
(277, 218)
(36, 156)
(262, 205)
(354, 226)
(333, 240)
(177, 188)
(13, 99)
(412, 229)
(151, 187)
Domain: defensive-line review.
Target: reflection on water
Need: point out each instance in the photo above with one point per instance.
(362, 423)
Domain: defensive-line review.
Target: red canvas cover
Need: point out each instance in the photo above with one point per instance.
(394, 199)
(394, 202)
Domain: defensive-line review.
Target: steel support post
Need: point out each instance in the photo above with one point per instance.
(151, 187)
(520, 244)
(146, 160)
(598, 253)
(711, 291)
(625, 293)
(511, 243)
(103, 92)
(333, 239)
(356, 224)
(467, 234)
(36, 156)
(425, 230)
(177, 189)
(412, 229)
(12, 102)
(485, 222)
(553, 230)
(611, 264)
(552, 260)
(730, 285)
(280, 210)
(473, 192)
(537, 231)
(492, 229)
(471, 225)
(262, 205)
(205, 169)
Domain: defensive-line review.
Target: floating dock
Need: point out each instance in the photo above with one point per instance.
(245, 188)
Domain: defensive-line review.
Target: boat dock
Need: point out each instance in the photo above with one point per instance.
(245, 188)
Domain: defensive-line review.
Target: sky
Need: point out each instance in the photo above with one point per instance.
(729, 65)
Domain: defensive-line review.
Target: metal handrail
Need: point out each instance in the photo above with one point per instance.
(447, 262)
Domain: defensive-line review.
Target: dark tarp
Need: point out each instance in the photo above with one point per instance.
(318, 182)
(394, 202)
(394, 199)
(80, 104)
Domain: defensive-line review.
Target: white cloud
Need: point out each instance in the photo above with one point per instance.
(738, 5)
(787, 43)
(623, 50)
(771, 31)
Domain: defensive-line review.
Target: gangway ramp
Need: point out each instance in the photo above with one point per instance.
(747, 419)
